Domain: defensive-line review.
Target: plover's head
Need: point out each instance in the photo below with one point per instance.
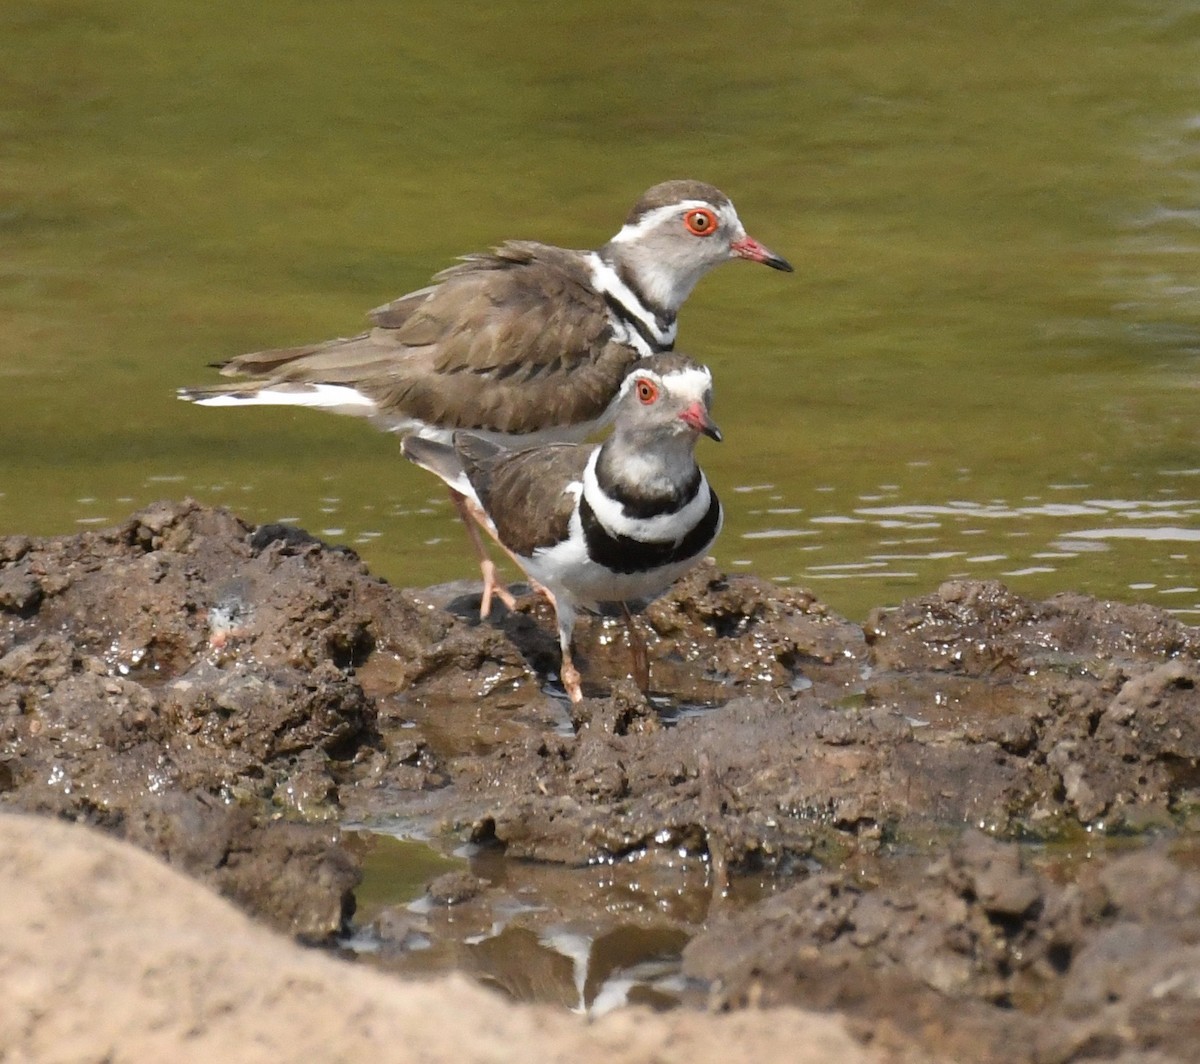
(675, 234)
(667, 395)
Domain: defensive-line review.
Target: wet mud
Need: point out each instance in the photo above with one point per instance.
(967, 825)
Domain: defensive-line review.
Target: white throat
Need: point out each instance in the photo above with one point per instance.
(665, 271)
(607, 281)
(668, 526)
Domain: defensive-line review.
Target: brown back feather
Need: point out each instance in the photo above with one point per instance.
(524, 492)
(460, 353)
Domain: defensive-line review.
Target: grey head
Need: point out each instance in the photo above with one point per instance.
(677, 232)
(665, 402)
(648, 465)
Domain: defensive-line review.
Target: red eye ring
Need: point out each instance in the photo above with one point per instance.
(700, 221)
(647, 390)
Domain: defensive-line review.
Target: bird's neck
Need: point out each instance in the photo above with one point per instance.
(660, 286)
(638, 318)
(648, 475)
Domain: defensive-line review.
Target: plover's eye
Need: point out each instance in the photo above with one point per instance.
(700, 221)
(647, 390)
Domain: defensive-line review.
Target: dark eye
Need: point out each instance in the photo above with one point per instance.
(700, 222)
(647, 390)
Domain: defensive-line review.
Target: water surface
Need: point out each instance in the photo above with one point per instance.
(986, 363)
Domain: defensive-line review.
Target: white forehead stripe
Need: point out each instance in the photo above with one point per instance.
(690, 380)
(652, 219)
(606, 280)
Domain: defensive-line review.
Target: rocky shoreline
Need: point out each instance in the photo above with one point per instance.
(228, 697)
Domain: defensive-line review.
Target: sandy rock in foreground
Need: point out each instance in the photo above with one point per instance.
(109, 955)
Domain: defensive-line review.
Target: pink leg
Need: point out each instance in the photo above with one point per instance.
(565, 617)
(487, 567)
(638, 651)
(482, 521)
(571, 679)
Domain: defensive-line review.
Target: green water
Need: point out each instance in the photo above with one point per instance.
(987, 362)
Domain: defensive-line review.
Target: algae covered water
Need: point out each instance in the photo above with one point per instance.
(986, 363)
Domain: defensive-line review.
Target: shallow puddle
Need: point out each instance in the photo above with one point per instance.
(587, 939)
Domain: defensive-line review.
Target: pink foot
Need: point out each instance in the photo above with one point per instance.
(491, 586)
(571, 680)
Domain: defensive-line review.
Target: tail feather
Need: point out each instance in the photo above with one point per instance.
(245, 393)
(264, 363)
(333, 397)
(346, 360)
(477, 451)
(197, 395)
(478, 456)
(441, 460)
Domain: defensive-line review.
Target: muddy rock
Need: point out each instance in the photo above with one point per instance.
(760, 635)
(703, 780)
(968, 827)
(975, 627)
(777, 779)
(454, 888)
(185, 682)
(709, 636)
(1075, 967)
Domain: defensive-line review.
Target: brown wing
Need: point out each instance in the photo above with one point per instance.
(524, 492)
(343, 361)
(524, 317)
(464, 352)
(394, 314)
(566, 391)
